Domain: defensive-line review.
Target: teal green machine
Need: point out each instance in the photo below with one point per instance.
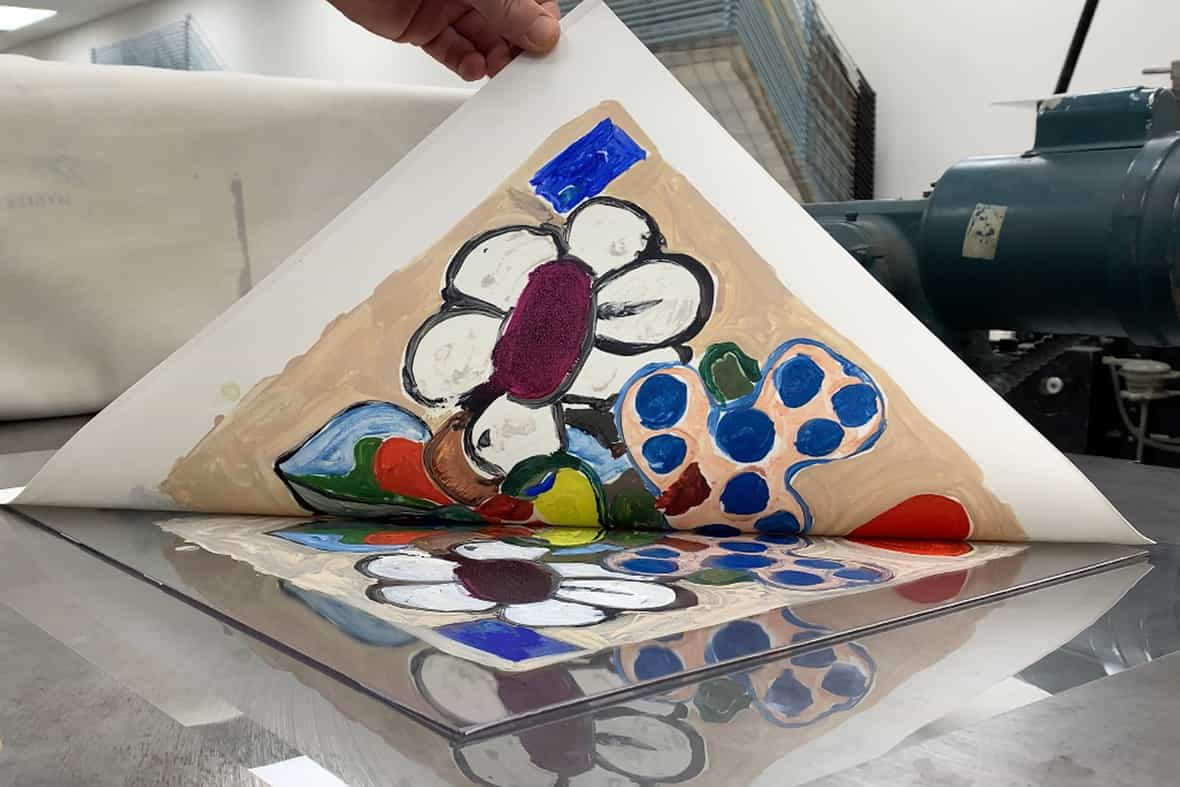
(1078, 235)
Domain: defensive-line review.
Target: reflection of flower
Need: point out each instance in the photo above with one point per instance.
(486, 576)
(619, 746)
(538, 315)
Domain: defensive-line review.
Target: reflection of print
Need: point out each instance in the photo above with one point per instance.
(620, 745)
(354, 622)
(523, 596)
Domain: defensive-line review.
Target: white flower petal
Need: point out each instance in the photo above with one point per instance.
(616, 594)
(607, 235)
(410, 567)
(654, 304)
(460, 688)
(450, 355)
(503, 761)
(447, 597)
(647, 748)
(603, 374)
(495, 267)
(498, 550)
(507, 432)
(593, 571)
(552, 612)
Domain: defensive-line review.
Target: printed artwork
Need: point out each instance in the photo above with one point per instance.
(592, 347)
(521, 597)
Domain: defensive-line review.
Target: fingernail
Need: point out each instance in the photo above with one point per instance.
(543, 33)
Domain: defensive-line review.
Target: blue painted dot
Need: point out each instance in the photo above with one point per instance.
(800, 636)
(798, 381)
(656, 662)
(736, 639)
(718, 531)
(855, 405)
(738, 562)
(780, 522)
(745, 435)
(817, 659)
(812, 562)
(746, 493)
(661, 401)
(658, 552)
(664, 452)
(818, 437)
(845, 680)
(647, 565)
(787, 695)
(861, 574)
(743, 546)
(541, 487)
(801, 578)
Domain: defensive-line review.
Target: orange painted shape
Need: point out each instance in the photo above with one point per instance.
(922, 517)
(935, 589)
(917, 546)
(396, 537)
(503, 508)
(398, 468)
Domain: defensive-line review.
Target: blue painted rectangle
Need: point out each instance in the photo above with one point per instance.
(587, 166)
(514, 643)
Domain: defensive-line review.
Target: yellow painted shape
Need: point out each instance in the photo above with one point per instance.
(569, 502)
(570, 536)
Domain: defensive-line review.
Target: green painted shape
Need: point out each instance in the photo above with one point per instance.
(636, 509)
(361, 483)
(728, 373)
(529, 472)
(717, 576)
(720, 699)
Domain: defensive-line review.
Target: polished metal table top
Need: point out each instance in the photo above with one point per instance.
(107, 679)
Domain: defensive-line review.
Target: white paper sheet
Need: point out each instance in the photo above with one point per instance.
(121, 457)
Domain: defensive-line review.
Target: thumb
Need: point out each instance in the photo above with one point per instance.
(525, 23)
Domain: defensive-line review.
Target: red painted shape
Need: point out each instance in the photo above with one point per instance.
(396, 537)
(398, 468)
(935, 589)
(683, 544)
(687, 492)
(922, 516)
(503, 508)
(917, 546)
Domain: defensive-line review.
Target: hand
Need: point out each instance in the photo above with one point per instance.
(473, 38)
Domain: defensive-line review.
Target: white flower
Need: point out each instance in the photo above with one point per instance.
(486, 576)
(535, 316)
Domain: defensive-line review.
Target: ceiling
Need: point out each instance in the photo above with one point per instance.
(70, 13)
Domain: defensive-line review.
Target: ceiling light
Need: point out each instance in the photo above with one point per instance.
(14, 17)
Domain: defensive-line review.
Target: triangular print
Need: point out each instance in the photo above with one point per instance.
(580, 303)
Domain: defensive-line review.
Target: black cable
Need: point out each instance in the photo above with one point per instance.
(1075, 46)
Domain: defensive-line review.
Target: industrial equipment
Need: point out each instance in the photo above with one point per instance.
(1079, 236)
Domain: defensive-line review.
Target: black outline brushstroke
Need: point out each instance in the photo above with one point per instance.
(704, 281)
(451, 293)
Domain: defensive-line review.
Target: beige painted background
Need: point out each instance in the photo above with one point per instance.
(359, 357)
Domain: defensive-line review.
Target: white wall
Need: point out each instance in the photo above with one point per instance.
(298, 38)
(938, 65)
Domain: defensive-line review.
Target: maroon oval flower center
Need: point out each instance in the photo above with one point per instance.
(545, 336)
(506, 581)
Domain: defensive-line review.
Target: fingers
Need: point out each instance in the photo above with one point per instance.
(457, 53)
(496, 51)
(528, 24)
